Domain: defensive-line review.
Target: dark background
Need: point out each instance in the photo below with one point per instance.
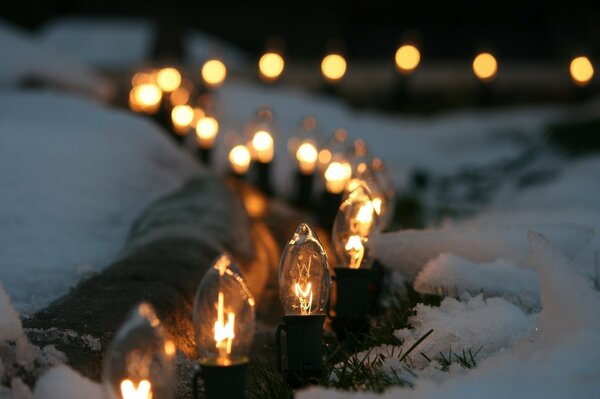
(520, 30)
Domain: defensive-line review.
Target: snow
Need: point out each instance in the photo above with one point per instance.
(11, 327)
(24, 57)
(106, 43)
(63, 383)
(557, 360)
(449, 274)
(477, 325)
(123, 44)
(74, 177)
(409, 250)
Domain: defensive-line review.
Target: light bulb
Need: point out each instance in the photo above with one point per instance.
(336, 176)
(387, 187)
(333, 67)
(180, 96)
(139, 360)
(271, 66)
(582, 70)
(304, 278)
(354, 222)
(239, 159)
(182, 117)
(365, 175)
(207, 129)
(168, 79)
(214, 73)
(407, 58)
(146, 97)
(485, 67)
(223, 315)
(263, 145)
(307, 155)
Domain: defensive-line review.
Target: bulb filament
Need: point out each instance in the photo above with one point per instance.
(304, 297)
(129, 390)
(356, 250)
(224, 333)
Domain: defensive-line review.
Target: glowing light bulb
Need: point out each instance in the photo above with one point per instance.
(485, 67)
(304, 277)
(364, 174)
(146, 97)
(207, 129)
(307, 155)
(271, 66)
(214, 73)
(407, 58)
(333, 67)
(139, 361)
(182, 117)
(179, 96)
(582, 70)
(239, 159)
(263, 146)
(355, 221)
(142, 78)
(168, 79)
(223, 315)
(336, 176)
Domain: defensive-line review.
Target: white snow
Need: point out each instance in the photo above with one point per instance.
(74, 176)
(63, 383)
(409, 250)
(24, 57)
(558, 360)
(106, 43)
(10, 327)
(449, 274)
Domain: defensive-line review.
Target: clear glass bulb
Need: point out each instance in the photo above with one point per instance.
(387, 186)
(364, 174)
(223, 315)
(139, 360)
(261, 136)
(304, 147)
(355, 221)
(304, 278)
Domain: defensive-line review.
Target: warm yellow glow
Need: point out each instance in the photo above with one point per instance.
(305, 297)
(365, 214)
(142, 78)
(333, 67)
(377, 205)
(485, 67)
(271, 66)
(224, 331)
(214, 73)
(239, 159)
(307, 158)
(324, 156)
(206, 131)
(582, 70)
(146, 97)
(263, 144)
(168, 79)
(356, 250)
(130, 391)
(337, 175)
(169, 347)
(407, 58)
(180, 96)
(182, 117)
(352, 185)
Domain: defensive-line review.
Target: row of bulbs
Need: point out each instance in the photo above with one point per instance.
(407, 58)
(334, 160)
(139, 361)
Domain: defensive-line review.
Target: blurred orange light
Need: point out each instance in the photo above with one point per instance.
(168, 79)
(333, 67)
(263, 143)
(182, 117)
(271, 66)
(206, 131)
(407, 58)
(214, 73)
(307, 156)
(582, 70)
(485, 67)
(145, 97)
(239, 159)
(337, 175)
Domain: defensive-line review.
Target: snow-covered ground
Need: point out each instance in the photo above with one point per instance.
(74, 176)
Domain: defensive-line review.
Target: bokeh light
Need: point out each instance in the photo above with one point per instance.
(214, 73)
(271, 66)
(485, 67)
(333, 67)
(582, 70)
(407, 58)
